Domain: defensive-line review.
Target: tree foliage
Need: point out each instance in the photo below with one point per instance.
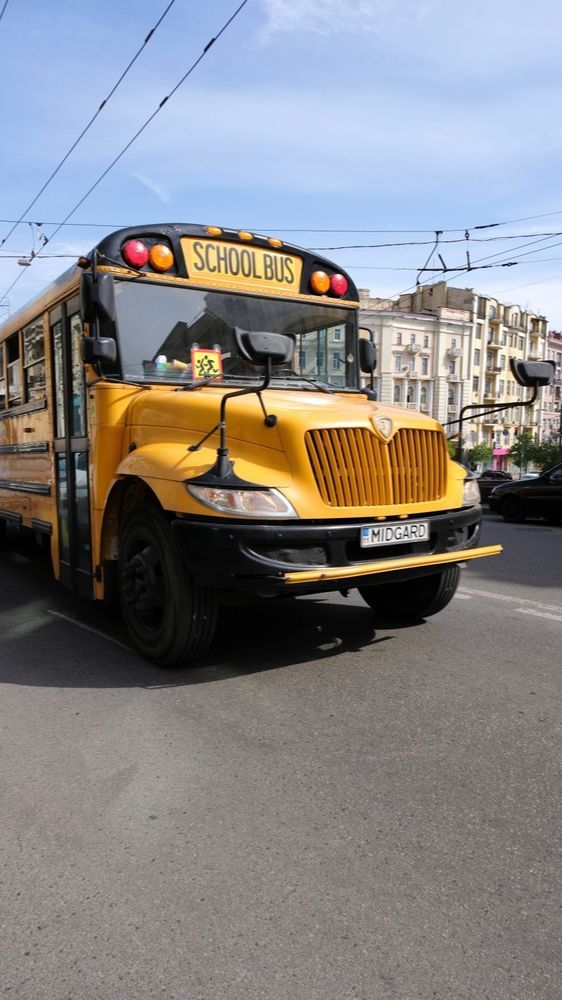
(523, 450)
(479, 453)
(547, 454)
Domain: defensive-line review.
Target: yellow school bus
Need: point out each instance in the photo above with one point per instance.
(184, 417)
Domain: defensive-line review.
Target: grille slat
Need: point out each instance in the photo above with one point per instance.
(353, 467)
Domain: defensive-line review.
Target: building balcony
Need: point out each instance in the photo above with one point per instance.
(454, 352)
(412, 348)
(494, 344)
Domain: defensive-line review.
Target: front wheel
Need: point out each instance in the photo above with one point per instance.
(170, 618)
(413, 599)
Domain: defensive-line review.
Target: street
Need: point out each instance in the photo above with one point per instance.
(327, 808)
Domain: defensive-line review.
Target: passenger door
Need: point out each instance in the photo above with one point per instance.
(71, 448)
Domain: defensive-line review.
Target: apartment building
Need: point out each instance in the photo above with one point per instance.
(442, 348)
(551, 416)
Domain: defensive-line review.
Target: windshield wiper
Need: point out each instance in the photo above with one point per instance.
(125, 381)
(316, 383)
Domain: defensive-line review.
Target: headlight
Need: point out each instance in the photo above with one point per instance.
(243, 503)
(471, 493)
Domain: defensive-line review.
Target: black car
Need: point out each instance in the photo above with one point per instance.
(490, 478)
(540, 497)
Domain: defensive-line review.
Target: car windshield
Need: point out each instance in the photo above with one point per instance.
(184, 336)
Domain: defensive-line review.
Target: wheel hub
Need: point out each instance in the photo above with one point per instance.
(142, 590)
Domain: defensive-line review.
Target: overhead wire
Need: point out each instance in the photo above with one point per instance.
(90, 123)
(164, 101)
(2, 12)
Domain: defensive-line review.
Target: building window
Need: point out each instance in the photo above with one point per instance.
(410, 395)
(399, 338)
(337, 333)
(425, 366)
(412, 338)
(423, 396)
(477, 357)
(475, 383)
(336, 360)
(454, 342)
(452, 367)
(397, 393)
(397, 362)
(412, 364)
(426, 341)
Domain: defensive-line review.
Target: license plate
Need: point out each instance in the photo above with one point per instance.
(396, 533)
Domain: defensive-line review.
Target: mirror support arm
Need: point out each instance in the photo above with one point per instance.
(481, 410)
(223, 464)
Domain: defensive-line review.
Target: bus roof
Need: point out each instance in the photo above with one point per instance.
(109, 252)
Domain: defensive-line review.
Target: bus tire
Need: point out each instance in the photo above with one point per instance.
(413, 599)
(170, 618)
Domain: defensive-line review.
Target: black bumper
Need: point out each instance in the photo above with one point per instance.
(254, 558)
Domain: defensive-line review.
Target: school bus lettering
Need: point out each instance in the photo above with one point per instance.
(227, 263)
(259, 465)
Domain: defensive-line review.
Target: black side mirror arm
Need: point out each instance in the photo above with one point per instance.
(481, 410)
(223, 466)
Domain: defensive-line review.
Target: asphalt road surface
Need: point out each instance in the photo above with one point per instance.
(327, 808)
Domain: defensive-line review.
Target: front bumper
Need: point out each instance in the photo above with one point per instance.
(309, 557)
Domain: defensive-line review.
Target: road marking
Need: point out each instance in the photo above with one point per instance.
(88, 628)
(539, 614)
(512, 600)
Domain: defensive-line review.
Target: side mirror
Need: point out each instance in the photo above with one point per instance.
(96, 349)
(97, 297)
(264, 348)
(367, 356)
(532, 374)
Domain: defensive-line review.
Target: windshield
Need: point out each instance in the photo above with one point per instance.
(164, 333)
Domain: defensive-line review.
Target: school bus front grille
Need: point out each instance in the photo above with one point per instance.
(355, 468)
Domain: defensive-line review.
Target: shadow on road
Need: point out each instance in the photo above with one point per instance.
(48, 637)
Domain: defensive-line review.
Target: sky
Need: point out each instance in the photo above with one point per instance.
(331, 124)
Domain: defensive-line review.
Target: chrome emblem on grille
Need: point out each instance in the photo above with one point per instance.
(383, 425)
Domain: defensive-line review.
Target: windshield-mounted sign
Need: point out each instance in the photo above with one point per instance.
(216, 262)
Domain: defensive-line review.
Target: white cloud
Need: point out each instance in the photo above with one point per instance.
(158, 189)
(335, 16)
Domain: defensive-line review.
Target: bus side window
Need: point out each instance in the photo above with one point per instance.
(34, 361)
(78, 386)
(15, 396)
(2, 379)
